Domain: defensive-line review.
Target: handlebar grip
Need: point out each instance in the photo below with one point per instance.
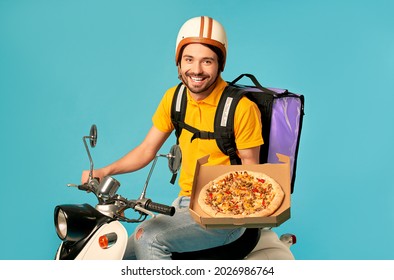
(160, 208)
(84, 187)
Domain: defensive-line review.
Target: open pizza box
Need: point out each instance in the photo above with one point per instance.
(204, 174)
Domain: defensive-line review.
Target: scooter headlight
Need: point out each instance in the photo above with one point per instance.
(61, 224)
(76, 221)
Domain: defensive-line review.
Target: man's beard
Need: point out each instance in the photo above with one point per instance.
(196, 89)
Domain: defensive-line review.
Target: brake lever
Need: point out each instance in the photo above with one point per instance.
(83, 187)
(143, 210)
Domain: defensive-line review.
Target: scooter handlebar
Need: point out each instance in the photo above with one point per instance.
(160, 208)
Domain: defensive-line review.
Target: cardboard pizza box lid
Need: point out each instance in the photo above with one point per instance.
(204, 174)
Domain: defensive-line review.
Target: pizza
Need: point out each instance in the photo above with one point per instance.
(241, 194)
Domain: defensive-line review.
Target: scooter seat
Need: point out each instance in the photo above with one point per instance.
(236, 250)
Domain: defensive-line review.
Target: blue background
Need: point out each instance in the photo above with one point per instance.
(65, 65)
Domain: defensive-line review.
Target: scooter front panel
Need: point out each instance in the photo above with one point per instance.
(93, 251)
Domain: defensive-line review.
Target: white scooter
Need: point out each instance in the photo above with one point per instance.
(89, 233)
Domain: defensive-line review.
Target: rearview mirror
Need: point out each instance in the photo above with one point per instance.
(93, 136)
(175, 159)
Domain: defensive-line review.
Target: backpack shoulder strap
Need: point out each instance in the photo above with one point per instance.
(224, 122)
(178, 109)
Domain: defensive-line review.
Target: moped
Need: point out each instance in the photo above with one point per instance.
(88, 232)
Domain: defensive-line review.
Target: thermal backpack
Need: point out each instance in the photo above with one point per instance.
(281, 115)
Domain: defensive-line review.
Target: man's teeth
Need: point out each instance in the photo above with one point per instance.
(196, 79)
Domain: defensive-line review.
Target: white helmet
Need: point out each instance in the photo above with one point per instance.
(203, 30)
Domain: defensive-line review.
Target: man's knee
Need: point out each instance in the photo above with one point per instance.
(139, 233)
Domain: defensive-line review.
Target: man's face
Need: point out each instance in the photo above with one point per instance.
(199, 68)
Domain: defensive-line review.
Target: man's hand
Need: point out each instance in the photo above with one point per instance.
(98, 173)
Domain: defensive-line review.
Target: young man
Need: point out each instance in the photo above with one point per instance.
(201, 52)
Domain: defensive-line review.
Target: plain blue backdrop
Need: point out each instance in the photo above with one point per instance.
(65, 65)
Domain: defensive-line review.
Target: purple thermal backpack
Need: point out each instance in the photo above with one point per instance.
(281, 115)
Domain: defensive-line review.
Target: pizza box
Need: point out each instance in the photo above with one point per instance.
(204, 174)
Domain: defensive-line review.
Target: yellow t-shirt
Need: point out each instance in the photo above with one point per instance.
(201, 115)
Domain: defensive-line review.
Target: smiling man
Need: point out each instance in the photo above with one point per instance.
(201, 51)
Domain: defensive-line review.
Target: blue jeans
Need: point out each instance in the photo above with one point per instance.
(156, 238)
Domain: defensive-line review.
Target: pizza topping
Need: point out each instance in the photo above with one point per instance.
(239, 193)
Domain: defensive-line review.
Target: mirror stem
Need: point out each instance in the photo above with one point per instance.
(90, 157)
(147, 179)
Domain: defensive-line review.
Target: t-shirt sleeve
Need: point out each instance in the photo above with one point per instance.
(247, 125)
(162, 117)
